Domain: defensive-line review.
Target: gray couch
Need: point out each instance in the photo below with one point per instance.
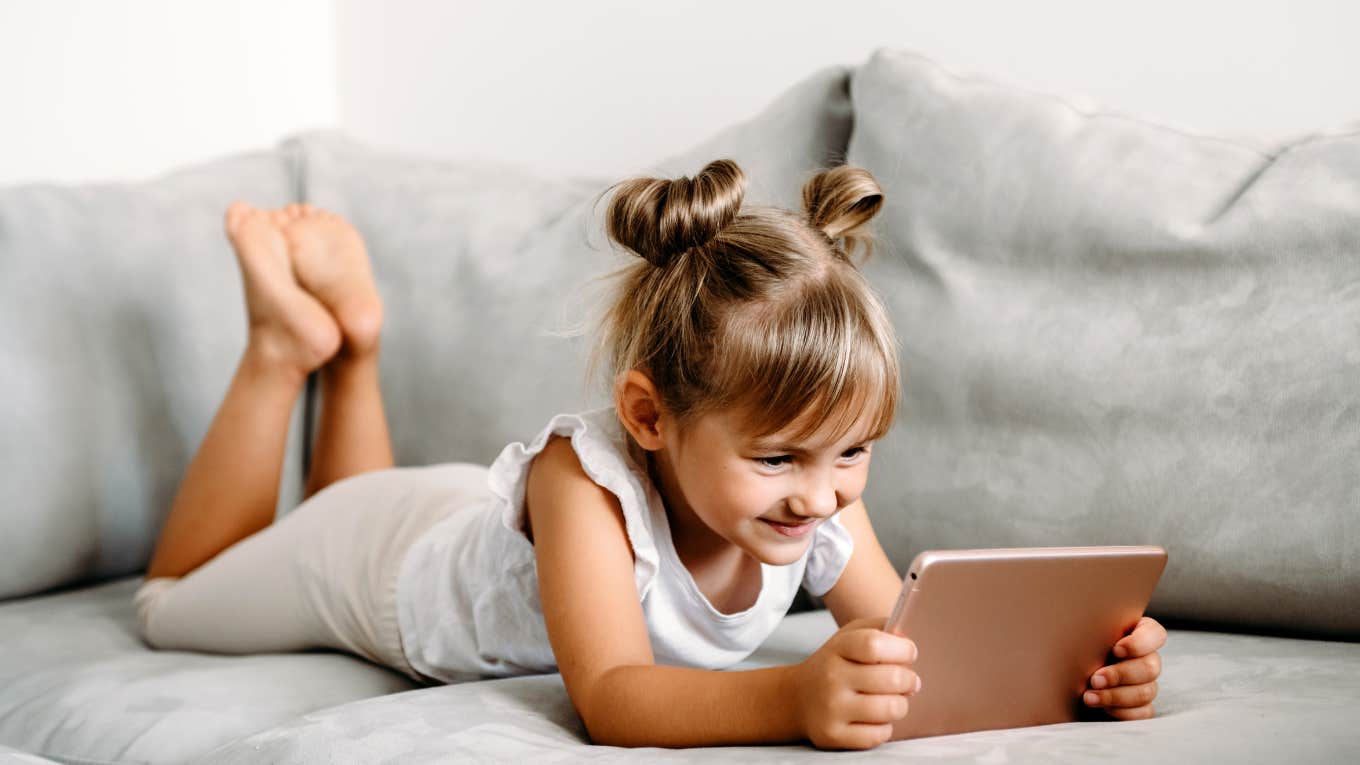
(1113, 332)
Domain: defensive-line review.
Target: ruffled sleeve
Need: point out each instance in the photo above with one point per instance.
(827, 555)
(597, 439)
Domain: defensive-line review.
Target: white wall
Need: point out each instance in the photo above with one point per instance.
(611, 85)
(96, 90)
(104, 90)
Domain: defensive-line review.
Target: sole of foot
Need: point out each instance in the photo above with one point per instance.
(331, 262)
(287, 325)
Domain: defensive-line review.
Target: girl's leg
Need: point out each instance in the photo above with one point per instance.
(323, 575)
(331, 263)
(352, 434)
(231, 487)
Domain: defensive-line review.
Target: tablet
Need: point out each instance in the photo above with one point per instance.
(1010, 638)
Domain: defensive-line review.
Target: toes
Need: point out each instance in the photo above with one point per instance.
(236, 213)
(246, 219)
(306, 210)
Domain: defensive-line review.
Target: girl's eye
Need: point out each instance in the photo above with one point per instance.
(853, 452)
(777, 461)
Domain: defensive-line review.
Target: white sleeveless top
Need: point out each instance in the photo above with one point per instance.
(467, 590)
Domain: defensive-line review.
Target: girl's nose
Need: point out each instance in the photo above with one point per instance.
(816, 498)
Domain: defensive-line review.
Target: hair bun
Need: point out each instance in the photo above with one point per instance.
(840, 201)
(659, 218)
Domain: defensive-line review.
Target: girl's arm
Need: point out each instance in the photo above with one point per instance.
(869, 585)
(846, 694)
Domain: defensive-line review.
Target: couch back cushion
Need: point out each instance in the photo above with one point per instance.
(121, 321)
(491, 274)
(1115, 332)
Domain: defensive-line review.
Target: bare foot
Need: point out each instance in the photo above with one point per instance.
(331, 262)
(287, 325)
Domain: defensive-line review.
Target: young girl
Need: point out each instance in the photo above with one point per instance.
(635, 549)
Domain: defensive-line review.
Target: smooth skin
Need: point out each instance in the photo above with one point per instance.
(720, 490)
(312, 305)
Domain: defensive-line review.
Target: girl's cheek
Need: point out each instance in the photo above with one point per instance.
(853, 488)
(758, 497)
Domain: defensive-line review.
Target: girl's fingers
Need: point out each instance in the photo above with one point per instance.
(1128, 696)
(865, 736)
(883, 678)
(1131, 713)
(1147, 636)
(1143, 669)
(878, 708)
(868, 645)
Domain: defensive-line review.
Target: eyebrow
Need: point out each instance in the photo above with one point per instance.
(767, 445)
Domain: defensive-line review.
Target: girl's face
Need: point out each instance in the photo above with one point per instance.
(765, 495)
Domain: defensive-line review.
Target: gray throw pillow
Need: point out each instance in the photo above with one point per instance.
(1115, 332)
(121, 322)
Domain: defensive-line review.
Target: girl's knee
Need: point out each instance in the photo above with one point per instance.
(145, 602)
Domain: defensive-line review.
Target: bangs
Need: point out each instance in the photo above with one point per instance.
(825, 356)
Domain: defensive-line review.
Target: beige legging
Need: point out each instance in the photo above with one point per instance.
(323, 575)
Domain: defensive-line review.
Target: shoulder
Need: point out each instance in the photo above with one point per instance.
(556, 457)
(560, 491)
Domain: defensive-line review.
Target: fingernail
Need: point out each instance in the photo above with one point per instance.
(1098, 681)
(1091, 698)
(918, 684)
(1119, 651)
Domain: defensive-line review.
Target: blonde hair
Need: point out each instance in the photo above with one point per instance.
(756, 309)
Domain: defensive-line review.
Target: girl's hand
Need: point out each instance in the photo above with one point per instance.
(849, 693)
(1126, 689)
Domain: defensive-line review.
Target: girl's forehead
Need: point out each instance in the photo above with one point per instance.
(840, 429)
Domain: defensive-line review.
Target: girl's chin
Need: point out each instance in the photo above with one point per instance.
(775, 549)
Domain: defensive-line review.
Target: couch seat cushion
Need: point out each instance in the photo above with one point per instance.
(1224, 698)
(77, 684)
(11, 756)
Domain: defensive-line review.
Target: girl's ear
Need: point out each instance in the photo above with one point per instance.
(639, 408)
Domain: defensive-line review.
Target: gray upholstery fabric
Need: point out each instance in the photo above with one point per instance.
(1116, 333)
(1224, 698)
(490, 275)
(78, 686)
(10, 756)
(121, 321)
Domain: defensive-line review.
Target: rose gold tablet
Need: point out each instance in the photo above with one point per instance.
(1009, 638)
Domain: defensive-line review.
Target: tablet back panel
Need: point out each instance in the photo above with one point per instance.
(1010, 638)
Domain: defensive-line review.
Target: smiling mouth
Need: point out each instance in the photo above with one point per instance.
(791, 529)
